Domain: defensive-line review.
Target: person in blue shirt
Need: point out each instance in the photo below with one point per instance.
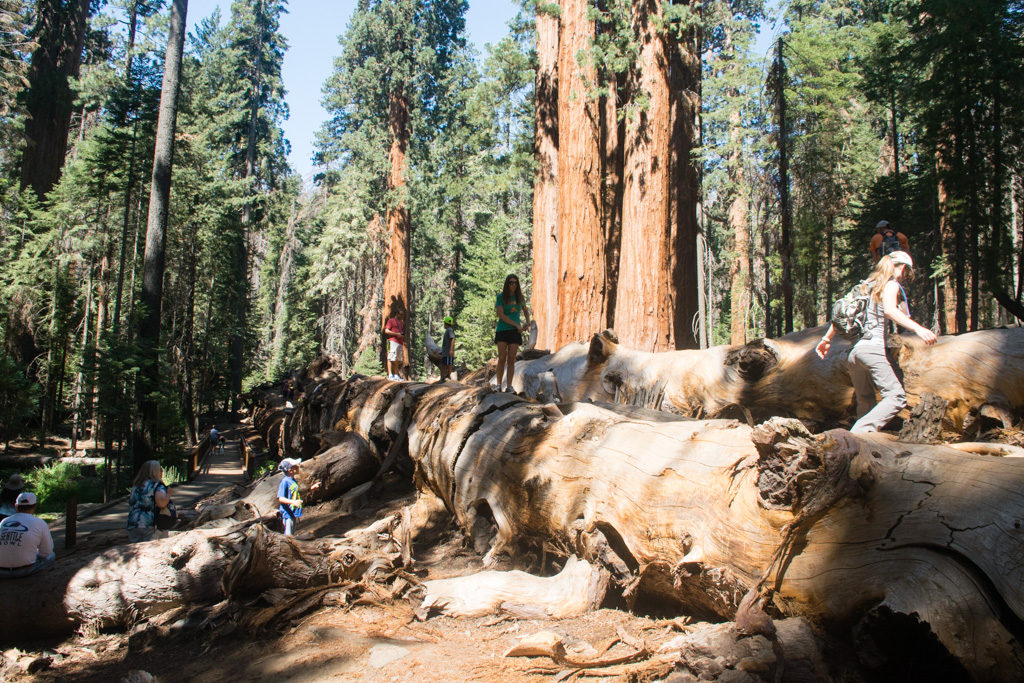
(288, 494)
(508, 334)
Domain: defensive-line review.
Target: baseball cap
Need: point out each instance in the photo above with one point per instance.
(289, 463)
(26, 498)
(902, 257)
(15, 482)
(882, 224)
(448, 320)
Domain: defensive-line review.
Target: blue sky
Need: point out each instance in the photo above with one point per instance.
(312, 28)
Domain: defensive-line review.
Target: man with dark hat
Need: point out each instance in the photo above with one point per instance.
(26, 545)
(887, 240)
(14, 485)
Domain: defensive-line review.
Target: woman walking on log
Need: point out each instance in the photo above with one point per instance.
(149, 495)
(508, 334)
(869, 366)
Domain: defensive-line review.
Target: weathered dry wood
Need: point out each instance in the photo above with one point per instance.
(699, 513)
(113, 588)
(577, 589)
(977, 373)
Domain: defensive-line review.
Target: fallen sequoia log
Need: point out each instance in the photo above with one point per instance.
(714, 519)
(117, 587)
(979, 374)
(708, 518)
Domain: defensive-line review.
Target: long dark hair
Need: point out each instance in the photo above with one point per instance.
(506, 293)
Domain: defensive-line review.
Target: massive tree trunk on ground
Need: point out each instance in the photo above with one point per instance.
(156, 228)
(715, 519)
(582, 286)
(710, 518)
(644, 304)
(545, 184)
(977, 373)
(113, 588)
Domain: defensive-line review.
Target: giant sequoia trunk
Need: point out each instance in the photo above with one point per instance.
(60, 36)
(646, 287)
(545, 185)
(582, 286)
(396, 280)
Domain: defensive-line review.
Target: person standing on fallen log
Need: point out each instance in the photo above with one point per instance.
(288, 495)
(508, 334)
(869, 365)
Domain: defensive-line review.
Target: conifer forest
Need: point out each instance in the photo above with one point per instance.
(684, 189)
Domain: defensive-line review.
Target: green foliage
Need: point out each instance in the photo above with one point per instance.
(368, 363)
(53, 484)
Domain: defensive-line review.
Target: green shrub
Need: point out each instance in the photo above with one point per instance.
(173, 475)
(53, 484)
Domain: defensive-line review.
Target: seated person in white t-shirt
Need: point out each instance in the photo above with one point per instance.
(26, 545)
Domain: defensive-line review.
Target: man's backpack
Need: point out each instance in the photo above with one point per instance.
(890, 243)
(850, 314)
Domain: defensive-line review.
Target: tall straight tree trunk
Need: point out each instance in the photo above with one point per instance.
(947, 242)
(396, 279)
(739, 268)
(545, 184)
(582, 287)
(148, 380)
(80, 377)
(188, 342)
(613, 135)
(60, 36)
(684, 185)
(646, 295)
(785, 208)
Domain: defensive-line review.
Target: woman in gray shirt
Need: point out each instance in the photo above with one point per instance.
(869, 366)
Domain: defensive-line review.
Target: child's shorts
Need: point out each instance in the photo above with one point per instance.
(394, 351)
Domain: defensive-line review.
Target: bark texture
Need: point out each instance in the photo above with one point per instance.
(980, 374)
(545, 186)
(582, 286)
(716, 519)
(645, 300)
(396, 279)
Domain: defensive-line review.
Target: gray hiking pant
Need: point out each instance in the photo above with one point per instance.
(869, 368)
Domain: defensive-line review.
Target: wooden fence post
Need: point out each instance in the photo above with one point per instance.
(71, 522)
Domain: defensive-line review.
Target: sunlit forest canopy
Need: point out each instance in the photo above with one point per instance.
(686, 174)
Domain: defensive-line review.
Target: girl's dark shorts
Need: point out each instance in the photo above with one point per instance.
(509, 337)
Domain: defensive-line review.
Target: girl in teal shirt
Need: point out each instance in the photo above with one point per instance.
(508, 334)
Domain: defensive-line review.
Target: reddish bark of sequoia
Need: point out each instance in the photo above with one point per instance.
(684, 184)
(645, 289)
(545, 187)
(739, 269)
(582, 287)
(396, 280)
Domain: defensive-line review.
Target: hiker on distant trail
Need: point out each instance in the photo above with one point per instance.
(508, 334)
(869, 366)
(288, 494)
(394, 330)
(448, 348)
(12, 488)
(149, 495)
(26, 545)
(887, 240)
